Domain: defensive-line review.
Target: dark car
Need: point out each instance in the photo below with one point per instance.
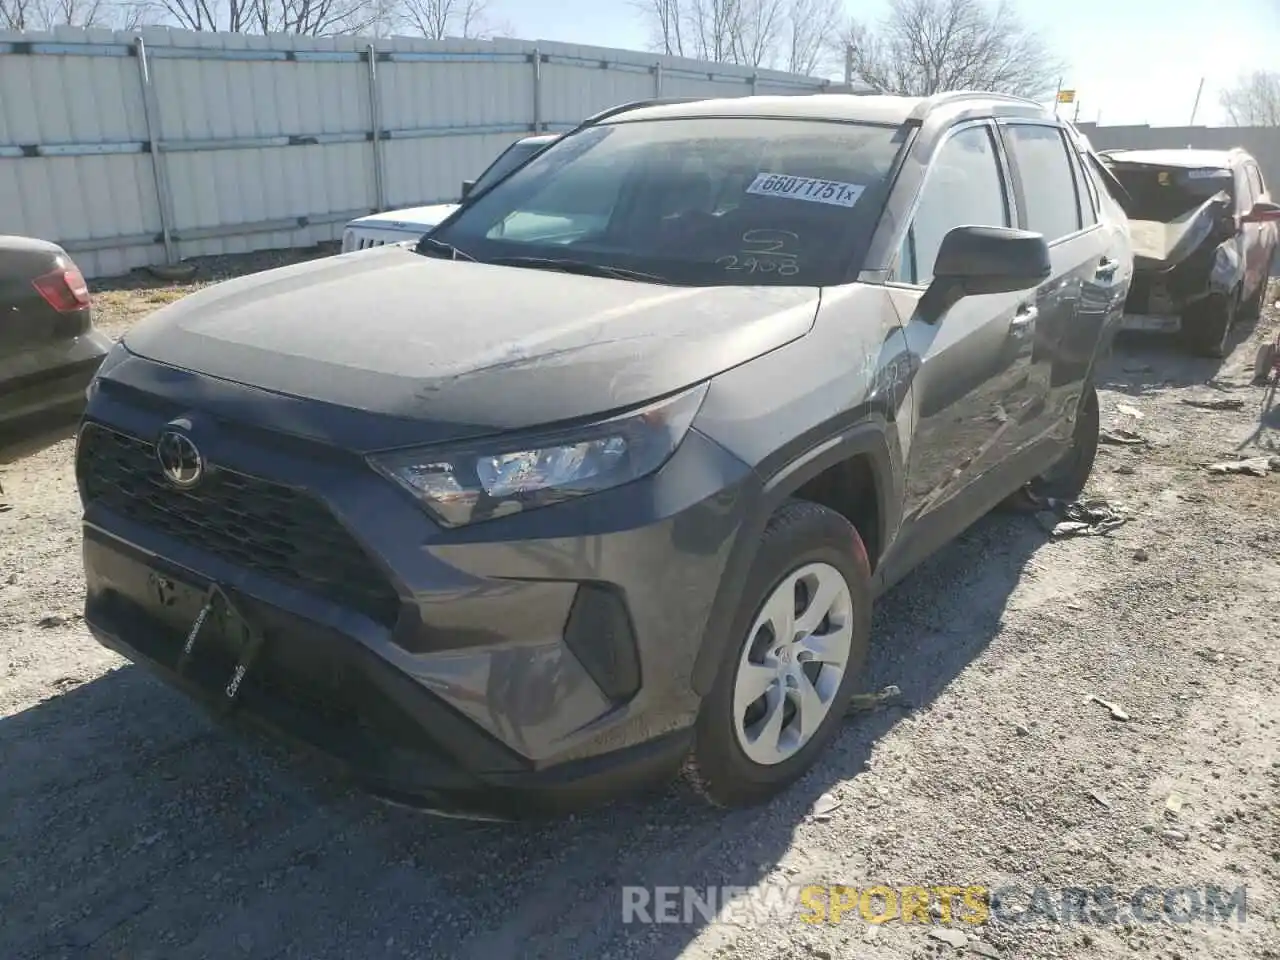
(602, 479)
(49, 349)
(1204, 238)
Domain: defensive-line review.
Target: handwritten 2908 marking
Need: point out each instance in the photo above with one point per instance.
(833, 192)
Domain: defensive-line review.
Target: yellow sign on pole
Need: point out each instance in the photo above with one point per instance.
(1066, 96)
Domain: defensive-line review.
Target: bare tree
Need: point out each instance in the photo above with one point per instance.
(811, 26)
(18, 15)
(924, 47)
(666, 24)
(1254, 101)
(757, 29)
(47, 14)
(438, 19)
(750, 32)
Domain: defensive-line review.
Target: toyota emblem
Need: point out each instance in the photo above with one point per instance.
(179, 459)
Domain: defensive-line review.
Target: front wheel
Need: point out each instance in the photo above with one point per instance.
(798, 646)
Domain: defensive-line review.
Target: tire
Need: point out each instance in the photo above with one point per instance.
(1253, 309)
(1206, 327)
(1067, 478)
(807, 547)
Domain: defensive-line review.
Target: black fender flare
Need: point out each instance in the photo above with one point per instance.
(868, 438)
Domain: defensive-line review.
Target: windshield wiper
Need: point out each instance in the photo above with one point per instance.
(576, 266)
(430, 244)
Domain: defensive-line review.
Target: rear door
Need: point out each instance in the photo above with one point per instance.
(1259, 238)
(1053, 202)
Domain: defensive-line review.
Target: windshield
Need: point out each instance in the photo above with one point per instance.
(1164, 194)
(507, 161)
(708, 201)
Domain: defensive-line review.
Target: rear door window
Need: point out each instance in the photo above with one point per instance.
(1040, 156)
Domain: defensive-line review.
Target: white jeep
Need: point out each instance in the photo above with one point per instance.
(410, 223)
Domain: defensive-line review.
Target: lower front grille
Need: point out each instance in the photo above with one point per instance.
(257, 524)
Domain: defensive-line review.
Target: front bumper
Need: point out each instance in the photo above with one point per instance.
(317, 688)
(525, 665)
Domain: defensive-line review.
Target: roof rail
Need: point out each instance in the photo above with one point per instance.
(954, 96)
(632, 105)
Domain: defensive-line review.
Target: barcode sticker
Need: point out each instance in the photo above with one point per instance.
(833, 192)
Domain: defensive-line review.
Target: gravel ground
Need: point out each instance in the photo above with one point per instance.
(135, 828)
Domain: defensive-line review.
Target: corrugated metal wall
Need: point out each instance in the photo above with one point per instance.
(112, 143)
(1262, 142)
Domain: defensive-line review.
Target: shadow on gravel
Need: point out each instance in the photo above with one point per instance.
(1142, 363)
(135, 827)
(36, 433)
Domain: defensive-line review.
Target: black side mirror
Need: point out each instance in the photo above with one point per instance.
(467, 187)
(984, 260)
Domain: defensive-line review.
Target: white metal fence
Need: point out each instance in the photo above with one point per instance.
(135, 149)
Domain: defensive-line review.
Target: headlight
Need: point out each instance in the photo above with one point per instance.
(113, 357)
(496, 478)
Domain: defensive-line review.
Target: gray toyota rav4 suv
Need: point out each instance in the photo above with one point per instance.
(601, 478)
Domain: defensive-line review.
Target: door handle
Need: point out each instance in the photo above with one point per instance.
(1023, 319)
(1106, 268)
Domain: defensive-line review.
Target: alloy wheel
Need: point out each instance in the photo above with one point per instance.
(793, 663)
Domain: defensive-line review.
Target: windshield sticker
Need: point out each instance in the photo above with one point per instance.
(1207, 174)
(833, 192)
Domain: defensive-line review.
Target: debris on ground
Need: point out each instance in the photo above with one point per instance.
(1173, 806)
(826, 805)
(1117, 712)
(1102, 800)
(1254, 466)
(1081, 518)
(951, 937)
(1121, 437)
(1221, 403)
(865, 702)
(1141, 555)
(1129, 411)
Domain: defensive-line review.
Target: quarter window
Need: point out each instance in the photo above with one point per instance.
(1086, 192)
(964, 187)
(1255, 178)
(1044, 172)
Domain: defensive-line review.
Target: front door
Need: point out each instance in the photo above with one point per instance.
(973, 363)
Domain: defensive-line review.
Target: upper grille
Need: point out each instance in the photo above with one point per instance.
(276, 530)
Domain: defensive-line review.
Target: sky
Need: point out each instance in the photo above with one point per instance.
(1129, 61)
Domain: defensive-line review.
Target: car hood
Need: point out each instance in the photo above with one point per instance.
(411, 218)
(469, 348)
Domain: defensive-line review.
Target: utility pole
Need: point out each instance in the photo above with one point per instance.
(1075, 117)
(1195, 107)
(1056, 94)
